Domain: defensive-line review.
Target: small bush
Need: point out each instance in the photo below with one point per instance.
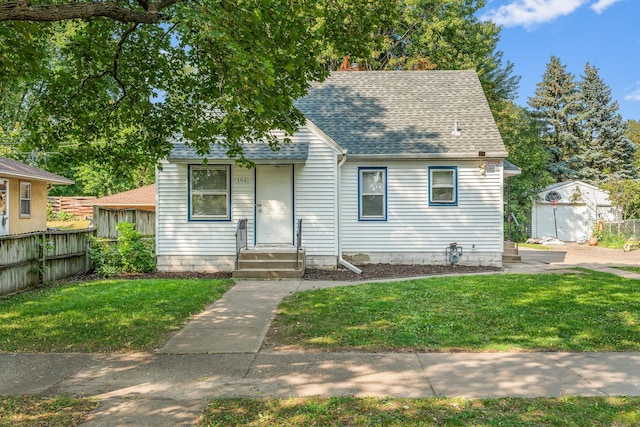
(130, 254)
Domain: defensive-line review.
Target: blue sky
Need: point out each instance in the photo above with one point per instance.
(604, 33)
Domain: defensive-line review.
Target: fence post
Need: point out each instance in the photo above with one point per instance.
(43, 259)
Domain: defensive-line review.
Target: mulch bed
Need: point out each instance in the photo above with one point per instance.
(369, 271)
(390, 271)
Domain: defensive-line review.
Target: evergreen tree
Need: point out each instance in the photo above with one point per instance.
(633, 133)
(605, 151)
(521, 135)
(555, 105)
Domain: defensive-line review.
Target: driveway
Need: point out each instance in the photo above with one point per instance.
(580, 255)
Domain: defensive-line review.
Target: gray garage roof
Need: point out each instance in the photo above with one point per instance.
(404, 113)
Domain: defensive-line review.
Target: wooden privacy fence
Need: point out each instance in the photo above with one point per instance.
(27, 260)
(71, 205)
(105, 220)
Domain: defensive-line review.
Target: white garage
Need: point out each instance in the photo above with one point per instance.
(568, 211)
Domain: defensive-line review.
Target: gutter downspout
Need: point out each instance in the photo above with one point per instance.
(341, 260)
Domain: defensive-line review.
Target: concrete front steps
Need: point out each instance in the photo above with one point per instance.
(270, 263)
(510, 253)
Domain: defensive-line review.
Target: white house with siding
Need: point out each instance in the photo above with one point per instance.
(391, 167)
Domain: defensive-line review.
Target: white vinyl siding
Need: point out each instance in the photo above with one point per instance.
(412, 224)
(314, 200)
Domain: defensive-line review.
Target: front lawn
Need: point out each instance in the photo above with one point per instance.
(349, 411)
(44, 411)
(631, 269)
(581, 311)
(120, 315)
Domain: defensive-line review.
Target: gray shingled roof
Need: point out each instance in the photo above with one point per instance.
(404, 113)
(297, 150)
(15, 169)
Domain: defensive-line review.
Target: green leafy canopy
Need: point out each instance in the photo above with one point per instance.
(144, 73)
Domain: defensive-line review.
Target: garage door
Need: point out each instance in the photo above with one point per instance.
(572, 220)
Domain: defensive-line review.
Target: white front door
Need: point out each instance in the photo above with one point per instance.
(4, 208)
(274, 204)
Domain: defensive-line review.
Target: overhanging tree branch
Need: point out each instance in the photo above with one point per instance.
(24, 10)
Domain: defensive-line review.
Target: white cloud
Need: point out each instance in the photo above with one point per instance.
(531, 12)
(635, 95)
(601, 5)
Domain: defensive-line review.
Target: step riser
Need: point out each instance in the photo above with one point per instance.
(270, 256)
(270, 265)
(511, 258)
(510, 252)
(268, 274)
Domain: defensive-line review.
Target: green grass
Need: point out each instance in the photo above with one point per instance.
(632, 269)
(539, 247)
(582, 311)
(348, 411)
(19, 411)
(103, 316)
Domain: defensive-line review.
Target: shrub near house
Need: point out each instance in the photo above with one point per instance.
(129, 254)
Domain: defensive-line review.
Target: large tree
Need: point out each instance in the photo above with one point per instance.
(521, 134)
(555, 104)
(605, 151)
(145, 72)
(633, 133)
(441, 34)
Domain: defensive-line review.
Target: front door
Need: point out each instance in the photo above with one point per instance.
(4, 208)
(274, 204)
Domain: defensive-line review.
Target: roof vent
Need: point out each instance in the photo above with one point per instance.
(456, 130)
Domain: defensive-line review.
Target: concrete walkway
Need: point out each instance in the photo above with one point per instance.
(218, 355)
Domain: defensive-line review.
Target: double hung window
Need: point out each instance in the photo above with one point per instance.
(209, 193)
(372, 187)
(443, 185)
(25, 199)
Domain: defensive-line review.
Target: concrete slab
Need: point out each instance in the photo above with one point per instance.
(486, 375)
(613, 373)
(216, 340)
(339, 374)
(34, 374)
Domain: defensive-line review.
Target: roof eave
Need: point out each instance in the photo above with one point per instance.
(411, 156)
(61, 181)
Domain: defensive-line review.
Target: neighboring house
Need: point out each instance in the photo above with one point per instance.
(568, 210)
(23, 197)
(391, 167)
(136, 206)
(143, 198)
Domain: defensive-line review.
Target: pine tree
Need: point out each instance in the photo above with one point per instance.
(605, 151)
(555, 105)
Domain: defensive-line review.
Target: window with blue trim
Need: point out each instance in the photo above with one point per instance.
(210, 192)
(372, 189)
(443, 185)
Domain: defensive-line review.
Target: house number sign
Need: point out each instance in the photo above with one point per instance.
(245, 180)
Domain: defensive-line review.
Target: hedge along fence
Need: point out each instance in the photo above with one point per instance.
(106, 219)
(27, 260)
